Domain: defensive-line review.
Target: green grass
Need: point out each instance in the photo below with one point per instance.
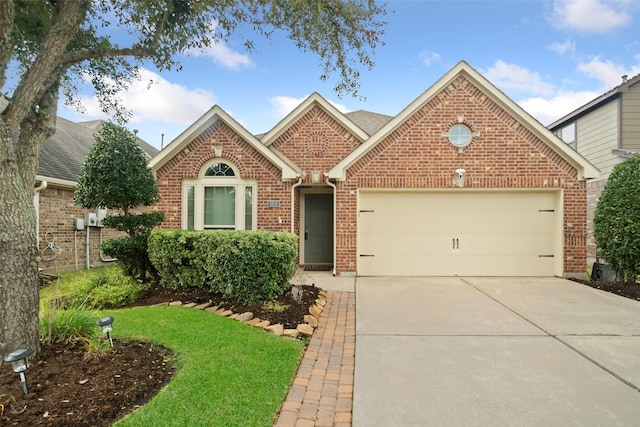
(228, 373)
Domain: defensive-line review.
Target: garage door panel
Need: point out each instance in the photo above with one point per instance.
(496, 233)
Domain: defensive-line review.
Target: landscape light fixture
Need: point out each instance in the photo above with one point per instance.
(105, 324)
(20, 361)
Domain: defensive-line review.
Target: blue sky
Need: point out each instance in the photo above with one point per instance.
(549, 56)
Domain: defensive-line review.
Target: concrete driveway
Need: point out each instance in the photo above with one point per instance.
(494, 352)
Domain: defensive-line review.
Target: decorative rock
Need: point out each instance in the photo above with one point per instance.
(203, 306)
(189, 304)
(212, 309)
(175, 303)
(245, 317)
(305, 329)
(254, 321)
(323, 293)
(319, 308)
(291, 333)
(263, 324)
(234, 316)
(311, 321)
(226, 313)
(321, 302)
(314, 312)
(161, 304)
(220, 310)
(276, 329)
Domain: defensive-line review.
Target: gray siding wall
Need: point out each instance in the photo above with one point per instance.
(631, 118)
(597, 137)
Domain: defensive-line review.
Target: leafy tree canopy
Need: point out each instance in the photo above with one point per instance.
(115, 174)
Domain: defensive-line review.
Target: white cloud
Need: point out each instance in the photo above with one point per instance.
(221, 54)
(563, 48)
(427, 57)
(516, 78)
(548, 110)
(163, 101)
(283, 105)
(609, 73)
(590, 15)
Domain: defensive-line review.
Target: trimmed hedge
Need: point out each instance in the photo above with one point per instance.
(249, 266)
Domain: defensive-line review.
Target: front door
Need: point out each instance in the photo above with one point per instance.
(318, 229)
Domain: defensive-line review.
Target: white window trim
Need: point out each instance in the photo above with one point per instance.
(218, 181)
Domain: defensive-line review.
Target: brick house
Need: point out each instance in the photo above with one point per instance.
(605, 131)
(461, 182)
(61, 159)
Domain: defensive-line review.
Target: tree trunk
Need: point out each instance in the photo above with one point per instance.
(18, 256)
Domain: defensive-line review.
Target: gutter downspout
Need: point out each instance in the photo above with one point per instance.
(335, 232)
(293, 199)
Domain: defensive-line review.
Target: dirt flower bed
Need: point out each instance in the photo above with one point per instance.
(68, 389)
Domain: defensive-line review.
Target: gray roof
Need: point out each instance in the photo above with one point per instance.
(368, 121)
(62, 155)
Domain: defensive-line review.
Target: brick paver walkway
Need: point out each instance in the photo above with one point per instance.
(322, 392)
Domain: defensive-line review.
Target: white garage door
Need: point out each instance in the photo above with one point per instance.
(463, 233)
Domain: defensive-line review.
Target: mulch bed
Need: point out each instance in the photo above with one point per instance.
(68, 389)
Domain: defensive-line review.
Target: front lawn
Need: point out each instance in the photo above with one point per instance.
(228, 373)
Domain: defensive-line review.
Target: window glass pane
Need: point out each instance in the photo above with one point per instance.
(569, 135)
(190, 207)
(219, 207)
(219, 169)
(248, 208)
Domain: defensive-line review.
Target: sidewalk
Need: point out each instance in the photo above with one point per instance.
(322, 392)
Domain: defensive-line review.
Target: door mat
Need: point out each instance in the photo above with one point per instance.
(317, 267)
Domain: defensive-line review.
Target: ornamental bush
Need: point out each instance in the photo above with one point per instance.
(247, 266)
(616, 224)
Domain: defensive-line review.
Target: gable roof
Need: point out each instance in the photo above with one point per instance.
(205, 121)
(311, 101)
(596, 103)
(585, 169)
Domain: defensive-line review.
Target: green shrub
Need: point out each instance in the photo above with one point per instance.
(249, 266)
(616, 223)
(255, 266)
(67, 326)
(104, 288)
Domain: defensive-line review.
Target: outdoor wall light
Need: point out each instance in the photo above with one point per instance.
(458, 177)
(105, 323)
(20, 362)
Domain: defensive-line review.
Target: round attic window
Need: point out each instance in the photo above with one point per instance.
(460, 135)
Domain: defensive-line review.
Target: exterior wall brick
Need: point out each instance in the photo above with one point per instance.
(594, 190)
(57, 215)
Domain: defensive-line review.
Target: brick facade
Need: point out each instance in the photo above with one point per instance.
(505, 154)
(57, 215)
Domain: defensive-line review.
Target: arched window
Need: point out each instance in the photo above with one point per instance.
(219, 169)
(219, 199)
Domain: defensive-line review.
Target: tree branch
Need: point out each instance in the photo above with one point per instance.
(83, 55)
(6, 25)
(67, 18)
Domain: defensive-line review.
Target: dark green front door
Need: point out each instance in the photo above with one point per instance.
(318, 232)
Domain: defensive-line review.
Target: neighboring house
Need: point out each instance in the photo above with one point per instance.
(61, 159)
(605, 131)
(461, 182)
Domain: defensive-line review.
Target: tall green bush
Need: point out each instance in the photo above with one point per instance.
(115, 175)
(249, 266)
(616, 224)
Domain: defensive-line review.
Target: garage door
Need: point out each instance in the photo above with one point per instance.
(464, 233)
